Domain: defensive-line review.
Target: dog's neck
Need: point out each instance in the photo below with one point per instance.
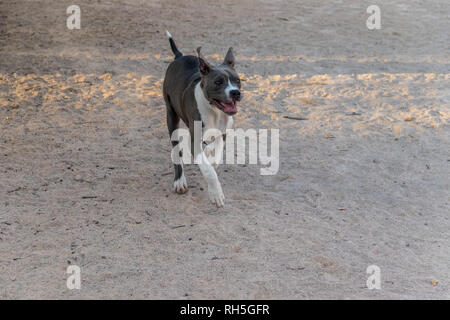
(211, 116)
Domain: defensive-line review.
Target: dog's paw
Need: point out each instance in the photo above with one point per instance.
(180, 185)
(216, 195)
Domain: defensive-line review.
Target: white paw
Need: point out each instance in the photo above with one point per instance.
(180, 185)
(216, 195)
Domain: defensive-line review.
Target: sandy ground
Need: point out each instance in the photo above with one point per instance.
(85, 171)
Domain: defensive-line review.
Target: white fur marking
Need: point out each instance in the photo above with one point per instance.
(229, 88)
(211, 116)
(202, 104)
(168, 34)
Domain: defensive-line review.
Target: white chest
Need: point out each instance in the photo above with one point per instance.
(212, 117)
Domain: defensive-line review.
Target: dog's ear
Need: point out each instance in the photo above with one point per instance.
(229, 58)
(203, 66)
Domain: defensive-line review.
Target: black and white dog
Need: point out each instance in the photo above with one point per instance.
(194, 90)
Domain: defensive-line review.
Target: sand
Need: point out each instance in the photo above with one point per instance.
(86, 175)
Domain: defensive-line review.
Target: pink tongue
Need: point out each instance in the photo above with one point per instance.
(229, 107)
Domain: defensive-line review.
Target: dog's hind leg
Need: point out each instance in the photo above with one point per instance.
(173, 122)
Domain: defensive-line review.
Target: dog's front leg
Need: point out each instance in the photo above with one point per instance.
(214, 188)
(217, 147)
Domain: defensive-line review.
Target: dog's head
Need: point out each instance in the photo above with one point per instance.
(220, 84)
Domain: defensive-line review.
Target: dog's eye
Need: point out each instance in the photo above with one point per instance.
(238, 81)
(218, 82)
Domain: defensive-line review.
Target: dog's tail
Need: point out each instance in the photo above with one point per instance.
(174, 48)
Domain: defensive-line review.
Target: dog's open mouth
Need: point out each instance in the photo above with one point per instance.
(227, 107)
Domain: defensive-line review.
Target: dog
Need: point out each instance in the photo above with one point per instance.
(194, 90)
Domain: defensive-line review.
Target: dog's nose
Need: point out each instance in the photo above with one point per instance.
(235, 95)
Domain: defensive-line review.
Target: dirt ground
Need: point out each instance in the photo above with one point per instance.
(86, 173)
